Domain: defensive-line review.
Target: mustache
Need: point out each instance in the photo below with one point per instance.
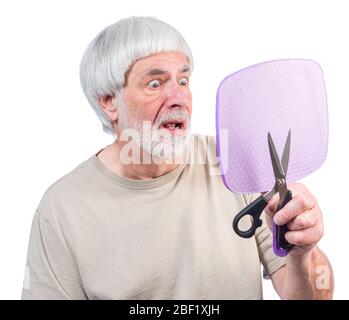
(177, 115)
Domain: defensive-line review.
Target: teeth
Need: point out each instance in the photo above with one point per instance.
(173, 125)
(170, 126)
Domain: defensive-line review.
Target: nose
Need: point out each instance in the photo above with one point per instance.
(176, 94)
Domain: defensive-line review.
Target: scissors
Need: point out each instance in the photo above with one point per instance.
(280, 245)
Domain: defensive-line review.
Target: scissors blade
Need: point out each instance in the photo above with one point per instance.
(286, 153)
(277, 167)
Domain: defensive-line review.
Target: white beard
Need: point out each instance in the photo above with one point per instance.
(157, 142)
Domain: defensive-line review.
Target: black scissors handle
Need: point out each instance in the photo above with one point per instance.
(254, 209)
(279, 231)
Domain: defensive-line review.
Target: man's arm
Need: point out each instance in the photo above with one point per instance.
(50, 271)
(308, 273)
(305, 277)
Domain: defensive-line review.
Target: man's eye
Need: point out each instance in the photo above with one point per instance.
(183, 81)
(153, 84)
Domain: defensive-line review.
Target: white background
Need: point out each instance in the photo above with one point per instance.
(47, 126)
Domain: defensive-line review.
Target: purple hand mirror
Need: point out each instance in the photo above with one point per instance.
(272, 96)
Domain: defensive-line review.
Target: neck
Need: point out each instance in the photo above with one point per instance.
(144, 168)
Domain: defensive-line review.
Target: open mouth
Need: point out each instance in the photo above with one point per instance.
(173, 125)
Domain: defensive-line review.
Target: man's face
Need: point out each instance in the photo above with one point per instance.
(157, 91)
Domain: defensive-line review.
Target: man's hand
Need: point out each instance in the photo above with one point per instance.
(302, 216)
(301, 277)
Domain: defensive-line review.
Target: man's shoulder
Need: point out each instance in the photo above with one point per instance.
(203, 150)
(203, 142)
(68, 185)
(72, 177)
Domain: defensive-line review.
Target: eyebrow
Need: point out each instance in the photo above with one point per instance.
(185, 69)
(156, 72)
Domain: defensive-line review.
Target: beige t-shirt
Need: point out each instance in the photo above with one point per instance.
(96, 235)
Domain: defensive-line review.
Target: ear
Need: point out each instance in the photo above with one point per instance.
(108, 106)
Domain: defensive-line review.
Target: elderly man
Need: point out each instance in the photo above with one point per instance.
(141, 218)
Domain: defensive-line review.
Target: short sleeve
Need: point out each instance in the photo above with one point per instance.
(264, 240)
(50, 272)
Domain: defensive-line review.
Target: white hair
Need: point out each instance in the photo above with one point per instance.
(116, 48)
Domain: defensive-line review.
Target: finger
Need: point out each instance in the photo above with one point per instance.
(270, 209)
(305, 220)
(293, 208)
(305, 237)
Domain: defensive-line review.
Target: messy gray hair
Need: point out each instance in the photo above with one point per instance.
(113, 51)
